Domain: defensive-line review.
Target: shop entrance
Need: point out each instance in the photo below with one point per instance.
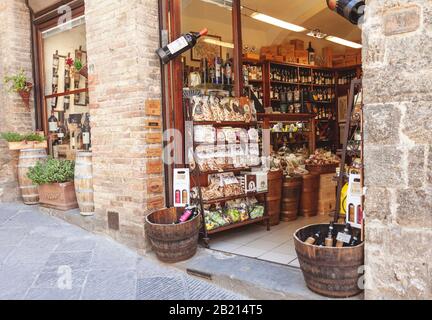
(266, 118)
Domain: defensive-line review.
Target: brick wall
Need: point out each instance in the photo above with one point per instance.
(397, 80)
(122, 36)
(15, 53)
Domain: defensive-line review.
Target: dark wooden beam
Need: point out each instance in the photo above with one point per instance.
(238, 47)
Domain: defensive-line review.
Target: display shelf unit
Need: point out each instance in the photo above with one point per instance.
(268, 118)
(199, 178)
(238, 225)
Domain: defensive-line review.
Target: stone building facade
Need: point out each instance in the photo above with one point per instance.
(15, 54)
(398, 156)
(128, 173)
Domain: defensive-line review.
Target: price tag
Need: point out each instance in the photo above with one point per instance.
(345, 238)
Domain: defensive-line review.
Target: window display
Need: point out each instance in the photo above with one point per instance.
(66, 89)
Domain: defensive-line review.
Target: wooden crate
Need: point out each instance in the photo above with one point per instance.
(298, 44)
(350, 60)
(327, 54)
(286, 50)
(327, 194)
(251, 56)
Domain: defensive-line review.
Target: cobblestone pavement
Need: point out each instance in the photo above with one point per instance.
(42, 257)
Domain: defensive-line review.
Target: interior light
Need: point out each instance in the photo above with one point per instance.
(344, 42)
(276, 22)
(317, 34)
(219, 43)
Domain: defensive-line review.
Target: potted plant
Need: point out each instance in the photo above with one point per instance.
(21, 86)
(17, 141)
(82, 69)
(55, 180)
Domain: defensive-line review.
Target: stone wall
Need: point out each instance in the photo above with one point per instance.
(397, 37)
(122, 36)
(15, 53)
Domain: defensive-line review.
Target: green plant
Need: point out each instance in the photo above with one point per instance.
(17, 137)
(19, 82)
(52, 171)
(78, 65)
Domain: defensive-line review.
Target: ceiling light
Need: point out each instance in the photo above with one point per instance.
(276, 22)
(219, 43)
(317, 34)
(344, 42)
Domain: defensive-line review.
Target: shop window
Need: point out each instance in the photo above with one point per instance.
(208, 66)
(65, 88)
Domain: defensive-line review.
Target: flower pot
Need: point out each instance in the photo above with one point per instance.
(60, 196)
(22, 145)
(25, 95)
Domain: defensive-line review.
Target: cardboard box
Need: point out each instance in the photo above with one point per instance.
(298, 44)
(302, 56)
(279, 58)
(251, 56)
(338, 61)
(248, 182)
(327, 54)
(350, 60)
(262, 181)
(286, 49)
(359, 58)
(181, 188)
(290, 59)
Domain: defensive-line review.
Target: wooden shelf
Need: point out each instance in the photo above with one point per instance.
(286, 116)
(228, 170)
(225, 123)
(237, 225)
(225, 199)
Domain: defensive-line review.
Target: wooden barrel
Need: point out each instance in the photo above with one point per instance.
(309, 197)
(172, 242)
(331, 272)
(84, 182)
(28, 159)
(292, 188)
(274, 196)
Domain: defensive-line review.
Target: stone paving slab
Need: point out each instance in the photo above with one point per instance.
(45, 258)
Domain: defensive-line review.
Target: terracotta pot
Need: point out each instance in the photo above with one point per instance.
(25, 95)
(60, 196)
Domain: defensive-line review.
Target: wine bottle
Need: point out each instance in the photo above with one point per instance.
(52, 123)
(218, 70)
(86, 132)
(345, 237)
(182, 44)
(204, 70)
(228, 70)
(329, 241)
(311, 54)
(313, 239)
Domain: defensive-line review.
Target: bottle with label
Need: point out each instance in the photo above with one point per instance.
(311, 54)
(218, 70)
(52, 123)
(313, 239)
(55, 145)
(204, 70)
(228, 70)
(329, 240)
(61, 134)
(345, 237)
(86, 135)
(182, 44)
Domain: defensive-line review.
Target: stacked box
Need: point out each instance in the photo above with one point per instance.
(327, 194)
(298, 44)
(327, 54)
(302, 56)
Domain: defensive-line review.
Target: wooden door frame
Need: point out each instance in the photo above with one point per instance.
(40, 22)
(172, 78)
